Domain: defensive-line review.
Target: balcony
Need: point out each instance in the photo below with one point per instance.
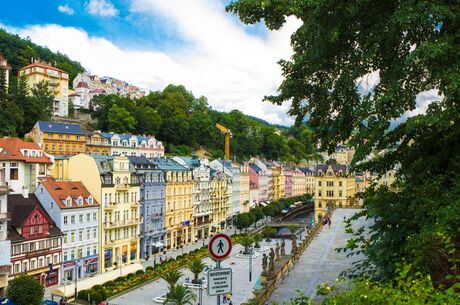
(110, 206)
(122, 187)
(122, 223)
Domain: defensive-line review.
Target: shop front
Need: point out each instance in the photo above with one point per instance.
(90, 265)
(108, 258)
(69, 271)
(133, 251)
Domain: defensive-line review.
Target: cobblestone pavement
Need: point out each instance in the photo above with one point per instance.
(320, 262)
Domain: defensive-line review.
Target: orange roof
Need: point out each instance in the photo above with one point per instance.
(10, 149)
(42, 65)
(61, 190)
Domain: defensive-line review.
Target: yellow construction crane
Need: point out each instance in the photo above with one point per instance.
(228, 135)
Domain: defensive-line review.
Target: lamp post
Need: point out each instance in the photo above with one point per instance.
(250, 262)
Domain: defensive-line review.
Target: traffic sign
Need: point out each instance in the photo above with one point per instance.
(220, 246)
(219, 281)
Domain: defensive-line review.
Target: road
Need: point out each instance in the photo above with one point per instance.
(320, 262)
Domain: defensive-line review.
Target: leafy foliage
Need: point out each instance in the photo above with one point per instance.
(186, 123)
(25, 290)
(180, 295)
(356, 71)
(196, 267)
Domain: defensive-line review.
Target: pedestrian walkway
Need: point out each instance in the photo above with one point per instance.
(320, 262)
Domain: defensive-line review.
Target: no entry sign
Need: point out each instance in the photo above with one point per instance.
(220, 246)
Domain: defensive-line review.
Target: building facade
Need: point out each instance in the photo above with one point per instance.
(221, 200)
(278, 180)
(81, 97)
(153, 205)
(5, 244)
(59, 138)
(76, 213)
(310, 180)
(244, 187)
(114, 184)
(5, 68)
(335, 187)
(289, 182)
(96, 144)
(58, 83)
(132, 145)
(201, 195)
(35, 241)
(23, 164)
(299, 184)
(259, 180)
(179, 207)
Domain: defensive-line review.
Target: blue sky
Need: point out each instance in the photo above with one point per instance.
(152, 43)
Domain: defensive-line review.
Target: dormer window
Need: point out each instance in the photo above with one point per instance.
(80, 201)
(68, 202)
(90, 200)
(26, 153)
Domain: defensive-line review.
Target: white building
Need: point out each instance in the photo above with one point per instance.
(81, 98)
(76, 212)
(23, 164)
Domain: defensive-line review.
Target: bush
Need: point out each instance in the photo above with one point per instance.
(103, 294)
(97, 287)
(25, 290)
(109, 284)
(149, 269)
(120, 279)
(83, 295)
(139, 272)
(95, 297)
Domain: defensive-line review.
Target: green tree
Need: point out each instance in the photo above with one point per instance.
(196, 267)
(71, 109)
(148, 121)
(120, 120)
(42, 101)
(356, 72)
(268, 233)
(257, 239)
(172, 277)
(11, 117)
(242, 221)
(246, 241)
(181, 295)
(25, 290)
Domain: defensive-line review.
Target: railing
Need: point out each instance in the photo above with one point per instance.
(122, 186)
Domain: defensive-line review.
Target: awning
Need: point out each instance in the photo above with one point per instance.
(98, 279)
(158, 244)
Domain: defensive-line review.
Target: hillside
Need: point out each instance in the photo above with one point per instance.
(19, 52)
(182, 121)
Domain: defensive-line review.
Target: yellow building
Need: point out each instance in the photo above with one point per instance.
(114, 184)
(279, 181)
(58, 83)
(335, 187)
(244, 188)
(310, 182)
(96, 144)
(179, 205)
(299, 186)
(58, 138)
(220, 200)
(343, 154)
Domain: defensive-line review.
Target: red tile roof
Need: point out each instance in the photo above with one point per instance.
(82, 85)
(10, 150)
(61, 190)
(42, 65)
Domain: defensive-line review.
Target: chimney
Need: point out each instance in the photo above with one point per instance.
(25, 192)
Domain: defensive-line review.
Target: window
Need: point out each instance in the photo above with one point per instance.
(68, 203)
(65, 238)
(330, 183)
(90, 200)
(94, 233)
(72, 237)
(80, 217)
(79, 253)
(340, 193)
(330, 193)
(42, 169)
(94, 250)
(319, 194)
(32, 230)
(40, 229)
(88, 234)
(32, 246)
(80, 235)
(14, 171)
(80, 201)
(32, 265)
(319, 205)
(16, 249)
(319, 183)
(55, 242)
(51, 203)
(66, 220)
(94, 216)
(72, 219)
(88, 217)
(25, 266)
(340, 183)
(40, 262)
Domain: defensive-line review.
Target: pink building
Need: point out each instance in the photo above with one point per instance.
(288, 173)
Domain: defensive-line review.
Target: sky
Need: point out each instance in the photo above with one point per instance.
(153, 43)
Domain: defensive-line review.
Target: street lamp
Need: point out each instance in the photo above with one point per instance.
(251, 249)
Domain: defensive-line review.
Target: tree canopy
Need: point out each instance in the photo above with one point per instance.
(25, 290)
(359, 70)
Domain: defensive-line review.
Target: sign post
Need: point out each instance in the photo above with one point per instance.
(219, 280)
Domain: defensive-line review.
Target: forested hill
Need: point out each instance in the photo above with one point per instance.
(186, 123)
(19, 52)
(182, 121)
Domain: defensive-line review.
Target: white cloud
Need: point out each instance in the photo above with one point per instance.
(66, 9)
(232, 68)
(103, 8)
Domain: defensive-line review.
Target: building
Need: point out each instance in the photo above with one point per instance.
(59, 138)
(114, 185)
(179, 207)
(23, 164)
(5, 244)
(343, 154)
(132, 145)
(299, 184)
(201, 195)
(289, 182)
(266, 167)
(310, 182)
(76, 213)
(232, 172)
(35, 240)
(152, 205)
(81, 97)
(244, 187)
(4, 67)
(58, 83)
(335, 187)
(96, 144)
(253, 196)
(258, 180)
(278, 180)
(221, 200)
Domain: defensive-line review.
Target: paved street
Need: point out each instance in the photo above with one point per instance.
(320, 262)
